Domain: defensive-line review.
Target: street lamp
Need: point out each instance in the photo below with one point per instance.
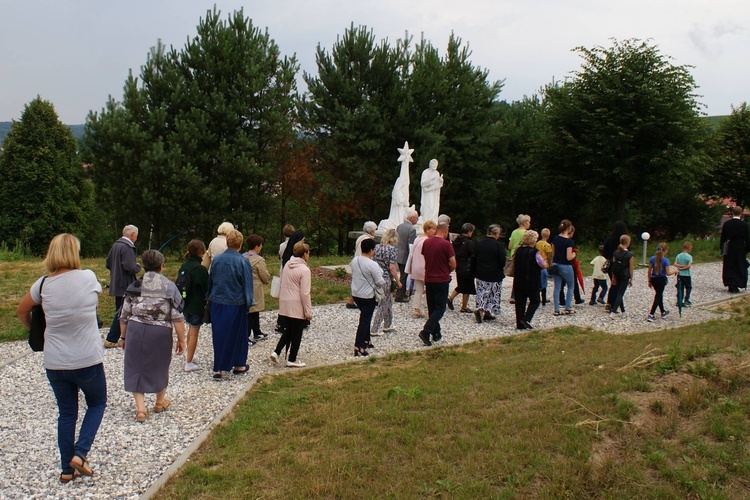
(645, 237)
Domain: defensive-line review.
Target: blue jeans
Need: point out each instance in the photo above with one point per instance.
(366, 310)
(564, 273)
(65, 384)
(437, 301)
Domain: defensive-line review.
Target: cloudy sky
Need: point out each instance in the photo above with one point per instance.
(75, 53)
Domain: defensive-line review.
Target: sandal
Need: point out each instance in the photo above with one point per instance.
(80, 464)
(241, 370)
(557, 313)
(569, 312)
(466, 310)
(66, 477)
(158, 408)
(141, 416)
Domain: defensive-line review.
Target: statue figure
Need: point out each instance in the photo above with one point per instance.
(400, 194)
(432, 181)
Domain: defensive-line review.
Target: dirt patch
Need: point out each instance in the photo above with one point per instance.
(331, 276)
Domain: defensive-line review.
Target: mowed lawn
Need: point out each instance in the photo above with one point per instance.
(566, 413)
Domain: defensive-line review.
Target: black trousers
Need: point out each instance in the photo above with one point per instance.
(291, 336)
(524, 313)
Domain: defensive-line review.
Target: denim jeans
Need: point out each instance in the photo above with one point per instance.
(564, 274)
(65, 384)
(437, 301)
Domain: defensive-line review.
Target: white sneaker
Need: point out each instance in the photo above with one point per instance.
(376, 334)
(275, 357)
(295, 364)
(191, 367)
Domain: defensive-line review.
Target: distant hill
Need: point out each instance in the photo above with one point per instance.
(5, 128)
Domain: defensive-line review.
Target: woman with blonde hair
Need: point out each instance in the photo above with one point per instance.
(385, 256)
(73, 351)
(415, 267)
(527, 271)
(218, 245)
(230, 290)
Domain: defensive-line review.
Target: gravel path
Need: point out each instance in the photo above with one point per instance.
(128, 457)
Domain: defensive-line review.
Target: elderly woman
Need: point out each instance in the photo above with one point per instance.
(218, 245)
(295, 305)
(366, 278)
(149, 312)
(261, 277)
(415, 267)
(385, 257)
(524, 223)
(230, 290)
(527, 272)
(489, 262)
(463, 246)
(369, 229)
(73, 352)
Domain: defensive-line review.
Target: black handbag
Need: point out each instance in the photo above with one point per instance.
(38, 324)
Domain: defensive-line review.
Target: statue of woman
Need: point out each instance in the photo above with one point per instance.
(432, 181)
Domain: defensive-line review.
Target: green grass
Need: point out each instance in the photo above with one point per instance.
(543, 415)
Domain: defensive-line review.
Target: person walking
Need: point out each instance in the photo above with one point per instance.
(658, 270)
(415, 267)
(73, 353)
(489, 263)
(440, 262)
(463, 246)
(406, 233)
(122, 265)
(195, 298)
(261, 277)
(527, 266)
(734, 244)
(367, 278)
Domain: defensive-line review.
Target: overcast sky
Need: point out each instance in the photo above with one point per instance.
(75, 53)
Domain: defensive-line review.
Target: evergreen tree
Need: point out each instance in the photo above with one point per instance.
(44, 191)
(730, 152)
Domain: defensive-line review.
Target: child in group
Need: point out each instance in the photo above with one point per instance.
(600, 278)
(545, 250)
(658, 270)
(683, 262)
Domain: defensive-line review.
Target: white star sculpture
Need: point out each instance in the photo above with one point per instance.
(405, 153)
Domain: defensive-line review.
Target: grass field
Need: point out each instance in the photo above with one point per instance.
(558, 414)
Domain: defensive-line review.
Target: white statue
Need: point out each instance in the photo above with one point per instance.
(400, 194)
(432, 181)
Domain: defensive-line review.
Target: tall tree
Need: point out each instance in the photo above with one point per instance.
(354, 114)
(194, 140)
(621, 129)
(730, 153)
(44, 191)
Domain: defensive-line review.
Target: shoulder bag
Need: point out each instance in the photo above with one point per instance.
(379, 293)
(38, 324)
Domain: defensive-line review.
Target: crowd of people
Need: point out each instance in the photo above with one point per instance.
(224, 287)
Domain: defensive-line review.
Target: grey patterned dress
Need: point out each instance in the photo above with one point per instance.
(148, 344)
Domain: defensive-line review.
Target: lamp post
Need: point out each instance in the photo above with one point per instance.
(645, 237)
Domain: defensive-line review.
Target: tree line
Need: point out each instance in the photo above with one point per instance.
(217, 130)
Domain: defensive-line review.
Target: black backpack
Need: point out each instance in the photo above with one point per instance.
(620, 266)
(183, 280)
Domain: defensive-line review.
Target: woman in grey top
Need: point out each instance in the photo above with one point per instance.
(73, 351)
(148, 314)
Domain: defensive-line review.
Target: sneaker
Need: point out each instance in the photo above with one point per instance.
(377, 333)
(295, 364)
(250, 342)
(260, 336)
(601, 301)
(650, 318)
(579, 302)
(687, 303)
(592, 303)
(275, 357)
(424, 338)
(664, 314)
(112, 345)
(614, 314)
(389, 329)
(437, 337)
(191, 367)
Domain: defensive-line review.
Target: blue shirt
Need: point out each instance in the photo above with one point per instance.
(664, 266)
(231, 280)
(561, 245)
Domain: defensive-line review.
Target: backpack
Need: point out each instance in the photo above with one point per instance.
(620, 266)
(183, 280)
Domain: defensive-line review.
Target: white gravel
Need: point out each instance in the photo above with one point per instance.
(129, 457)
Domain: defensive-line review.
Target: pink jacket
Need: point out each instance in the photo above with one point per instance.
(415, 263)
(294, 295)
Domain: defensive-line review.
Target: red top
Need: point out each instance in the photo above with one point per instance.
(437, 253)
